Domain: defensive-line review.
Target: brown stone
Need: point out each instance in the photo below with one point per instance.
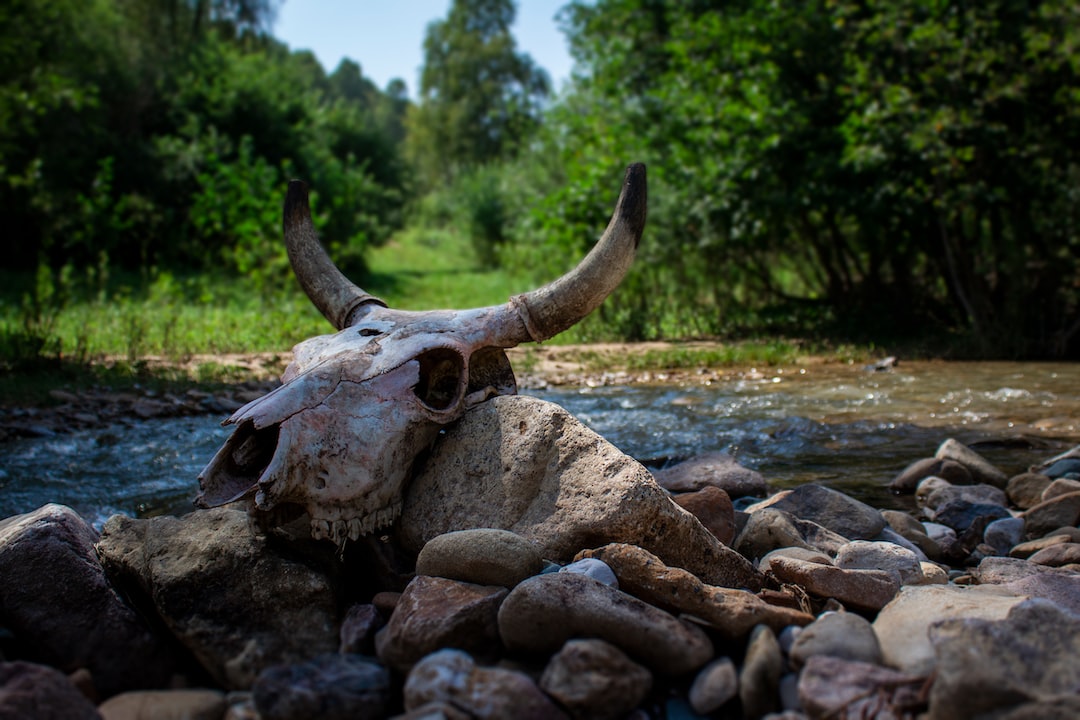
(859, 589)
(832, 687)
(595, 680)
(1057, 555)
(718, 470)
(1052, 514)
(712, 506)
(1025, 490)
(733, 613)
(1026, 549)
(485, 556)
(36, 692)
(165, 705)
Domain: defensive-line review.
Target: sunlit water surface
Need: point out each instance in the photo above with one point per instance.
(836, 425)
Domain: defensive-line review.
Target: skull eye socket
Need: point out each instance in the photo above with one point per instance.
(441, 378)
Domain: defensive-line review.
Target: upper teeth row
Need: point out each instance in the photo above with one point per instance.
(339, 531)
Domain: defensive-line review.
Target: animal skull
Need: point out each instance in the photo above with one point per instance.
(338, 438)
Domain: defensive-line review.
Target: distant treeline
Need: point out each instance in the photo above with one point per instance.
(873, 170)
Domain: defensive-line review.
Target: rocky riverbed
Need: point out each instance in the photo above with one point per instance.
(536, 571)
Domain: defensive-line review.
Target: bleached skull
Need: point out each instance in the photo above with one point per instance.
(338, 438)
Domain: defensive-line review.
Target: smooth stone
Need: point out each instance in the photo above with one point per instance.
(1052, 514)
(860, 589)
(962, 515)
(328, 687)
(714, 686)
(814, 556)
(528, 466)
(1025, 550)
(545, 611)
(839, 634)
(933, 574)
(436, 613)
(1004, 534)
(983, 666)
(1063, 468)
(358, 628)
(759, 681)
(594, 679)
(909, 477)
(911, 529)
(829, 508)
(1061, 486)
(483, 556)
(1061, 707)
(867, 555)
(902, 626)
(237, 601)
(732, 613)
(935, 492)
(69, 616)
(718, 470)
(768, 529)
(1025, 490)
(452, 677)
(888, 535)
(596, 569)
(1057, 555)
(713, 507)
(832, 687)
(37, 692)
(789, 695)
(1058, 586)
(186, 704)
(980, 468)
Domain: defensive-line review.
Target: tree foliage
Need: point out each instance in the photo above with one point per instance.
(479, 97)
(900, 165)
(151, 132)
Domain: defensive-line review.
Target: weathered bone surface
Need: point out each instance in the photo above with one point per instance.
(337, 440)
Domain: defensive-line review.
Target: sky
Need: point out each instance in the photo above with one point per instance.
(386, 36)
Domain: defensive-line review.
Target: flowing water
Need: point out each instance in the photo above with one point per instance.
(836, 425)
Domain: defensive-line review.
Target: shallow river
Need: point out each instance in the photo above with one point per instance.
(837, 425)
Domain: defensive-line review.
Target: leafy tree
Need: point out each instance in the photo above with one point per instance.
(479, 97)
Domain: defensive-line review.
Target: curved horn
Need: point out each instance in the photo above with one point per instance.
(549, 310)
(336, 297)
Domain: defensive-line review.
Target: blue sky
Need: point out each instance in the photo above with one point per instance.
(386, 36)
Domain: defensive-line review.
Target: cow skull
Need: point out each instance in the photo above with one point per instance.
(338, 438)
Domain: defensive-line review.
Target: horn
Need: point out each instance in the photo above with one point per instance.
(549, 310)
(336, 297)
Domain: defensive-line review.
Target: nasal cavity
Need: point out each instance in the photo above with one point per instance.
(441, 378)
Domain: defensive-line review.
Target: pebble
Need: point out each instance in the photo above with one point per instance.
(1057, 555)
(29, 690)
(980, 468)
(768, 529)
(1025, 490)
(713, 507)
(545, 611)
(829, 508)
(193, 704)
(858, 589)
(866, 555)
(1061, 486)
(594, 679)
(934, 492)
(832, 687)
(484, 556)
(358, 629)
(593, 568)
(1004, 534)
(1052, 514)
(330, 687)
(839, 634)
(909, 477)
(714, 686)
(759, 682)
(718, 470)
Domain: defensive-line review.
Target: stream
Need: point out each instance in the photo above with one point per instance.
(841, 426)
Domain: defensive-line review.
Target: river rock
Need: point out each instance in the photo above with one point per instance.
(526, 465)
(718, 470)
(1061, 486)
(913, 531)
(733, 613)
(39, 692)
(1004, 534)
(866, 555)
(1052, 514)
(933, 574)
(860, 589)
(829, 508)
(902, 626)
(328, 687)
(985, 666)
(949, 470)
(591, 567)
(70, 617)
(964, 516)
(1025, 550)
(484, 556)
(545, 611)
(814, 556)
(769, 529)
(594, 679)
(435, 613)
(1025, 490)
(1057, 555)
(979, 467)
(839, 634)
(185, 704)
(234, 600)
(714, 686)
(839, 689)
(712, 506)
(759, 682)
(934, 492)
(358, 628)
(452, 677)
